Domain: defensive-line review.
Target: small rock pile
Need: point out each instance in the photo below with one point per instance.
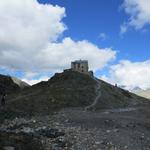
(20, 131)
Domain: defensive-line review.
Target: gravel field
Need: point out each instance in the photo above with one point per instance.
(77, 129)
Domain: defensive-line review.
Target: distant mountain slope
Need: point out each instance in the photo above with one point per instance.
(20, 83)
(136, 89)
(133, 90)
(70, 89)
(10, 84)
(144, 93)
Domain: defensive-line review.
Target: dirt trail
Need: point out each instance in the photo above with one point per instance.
(98, 92)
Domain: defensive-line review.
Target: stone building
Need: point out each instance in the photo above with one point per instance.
(80, 66)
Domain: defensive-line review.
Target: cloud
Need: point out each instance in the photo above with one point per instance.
(59, 55)
(29, 36)
(103, 36)
(35, 81)
(123, 28)
(139, 14)
(130, 74)
(30, 75)
(27, 25)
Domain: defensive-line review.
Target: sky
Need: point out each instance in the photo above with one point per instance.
(39, 38)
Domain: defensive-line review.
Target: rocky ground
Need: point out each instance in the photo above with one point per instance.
(77, 129)
(73, 111)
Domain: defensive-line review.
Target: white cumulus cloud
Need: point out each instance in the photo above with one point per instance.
(27, 25)
(35, 81)
(130, 74)
(59, 55)
(139, 14)
(29, 33)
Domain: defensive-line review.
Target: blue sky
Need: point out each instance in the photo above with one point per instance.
(122, 26)
(86, 19)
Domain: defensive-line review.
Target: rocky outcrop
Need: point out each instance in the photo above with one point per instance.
(24, 134)
(10, 84)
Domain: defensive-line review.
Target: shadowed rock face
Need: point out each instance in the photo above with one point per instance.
(7, 85)
(10, 84)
